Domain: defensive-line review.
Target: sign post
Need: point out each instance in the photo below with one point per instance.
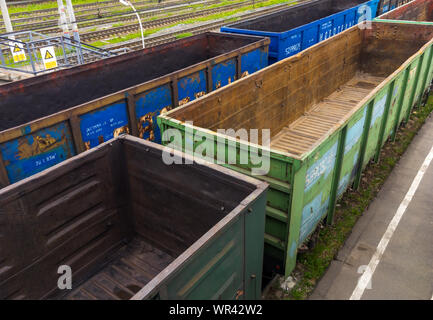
(49, 57)
(18, 52)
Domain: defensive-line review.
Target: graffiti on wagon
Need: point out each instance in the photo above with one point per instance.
(36, 152)
(219, 149)
(103, 125)
(311, 215)
(378, 110)
(322, 167)
(354, 133)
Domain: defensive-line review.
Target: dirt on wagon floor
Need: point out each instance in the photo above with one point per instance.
(315, 257)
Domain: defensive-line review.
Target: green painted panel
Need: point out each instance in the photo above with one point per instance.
(222, 259)
(318, 181)
(376, 121)
(409, 88)
(350, 165)
(420, 87)
(393, 108)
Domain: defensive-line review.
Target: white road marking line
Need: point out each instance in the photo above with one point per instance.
(375, 259)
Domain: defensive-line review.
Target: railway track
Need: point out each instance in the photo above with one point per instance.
(213, 25)
(52, 26)
(98, 11)
(78, 6)
(102, 34)
(161, 39)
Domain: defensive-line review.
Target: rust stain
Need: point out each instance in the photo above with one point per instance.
(218, 85)
(200, 94)
(145, 124)
(184, 101)
(117, 132)
(246, 73)
(193, 78)
(239, 293)
(40, 145)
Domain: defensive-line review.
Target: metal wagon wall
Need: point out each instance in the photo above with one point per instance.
(387, 5)
(45, 120)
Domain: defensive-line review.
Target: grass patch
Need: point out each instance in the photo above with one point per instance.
(313, 264)
(226, 14)
(184, 35)
(46, 5)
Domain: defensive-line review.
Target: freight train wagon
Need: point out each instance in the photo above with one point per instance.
(47, 119)
(299, 27)
(128, 226)
(329, 110)
(417, 11)
(388, 5)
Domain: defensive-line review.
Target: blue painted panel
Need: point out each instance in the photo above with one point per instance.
(224, 73)
(325, 30)
(191, 87)
(350, 19)
(342, 185)
(290, 42)
(311, 215)
(36, 152)
(147, 108)
(338, 24)
(292, 45)
(309, 37)
(355, 133)
(254, 61)
(379, 108)
(104, 124)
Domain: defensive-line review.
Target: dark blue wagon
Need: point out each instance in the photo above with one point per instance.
(299, 27)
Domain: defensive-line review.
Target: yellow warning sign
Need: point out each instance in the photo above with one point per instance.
(49, 57)
(18, 53)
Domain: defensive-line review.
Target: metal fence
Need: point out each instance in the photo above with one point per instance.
(34, 53)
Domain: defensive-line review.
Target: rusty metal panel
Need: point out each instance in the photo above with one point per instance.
(191, 87)
(223, 73)
(417, 10)
(147, 107)
(35, 152)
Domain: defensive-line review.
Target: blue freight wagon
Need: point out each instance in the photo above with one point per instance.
(299, 27)
(47, 119)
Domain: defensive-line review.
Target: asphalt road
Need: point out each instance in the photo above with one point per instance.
(391, 246)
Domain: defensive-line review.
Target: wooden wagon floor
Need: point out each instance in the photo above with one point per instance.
(300, 136)
(133, 266)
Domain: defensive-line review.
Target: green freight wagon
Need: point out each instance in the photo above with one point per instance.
(127, 226)
(329, 110)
